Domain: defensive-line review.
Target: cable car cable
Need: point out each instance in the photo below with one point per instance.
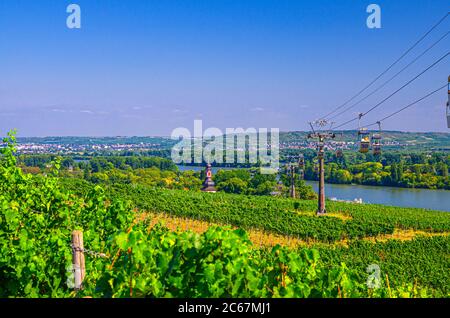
(395, 92)
(390, 66)
(389, 80)
(407, 106)
(409, 82)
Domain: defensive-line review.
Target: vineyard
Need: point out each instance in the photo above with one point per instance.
(39, 213)
(283, 216)
(404, 256)
(420, 259)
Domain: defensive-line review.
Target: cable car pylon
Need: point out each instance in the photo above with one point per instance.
(321, 137)
(376, 141)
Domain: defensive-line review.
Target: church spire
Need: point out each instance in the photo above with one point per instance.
(208, 184)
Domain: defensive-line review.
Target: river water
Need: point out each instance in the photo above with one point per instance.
(405, 197)
(418, 198)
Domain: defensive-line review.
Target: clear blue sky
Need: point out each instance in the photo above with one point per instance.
(147, 67)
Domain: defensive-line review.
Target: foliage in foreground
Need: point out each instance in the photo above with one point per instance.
(37, 217)
(423, 260)
(223, 263)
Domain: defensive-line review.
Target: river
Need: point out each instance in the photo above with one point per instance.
(418, 198)
(405, 197)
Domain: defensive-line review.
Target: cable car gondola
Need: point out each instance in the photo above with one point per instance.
(364, 140)
(448, 113)
(364, 137)
(376, 146)
(376, 141)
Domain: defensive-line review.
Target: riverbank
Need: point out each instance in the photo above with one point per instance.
(393, 196)
(403, 197)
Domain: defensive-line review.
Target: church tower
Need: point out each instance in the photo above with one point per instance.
(208, 184)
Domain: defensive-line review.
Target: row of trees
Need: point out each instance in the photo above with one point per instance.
(387, 158)
(400, 169)
(244, 181)
(162, 173)
(250, 181)
(99, 163)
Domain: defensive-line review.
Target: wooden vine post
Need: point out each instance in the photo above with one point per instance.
(78, 258)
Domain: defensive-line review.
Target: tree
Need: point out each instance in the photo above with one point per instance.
(394, 174)
(233, 185)
(442, 169)
(264, 188)
(343, 176)
(259, 179)
(304, 191)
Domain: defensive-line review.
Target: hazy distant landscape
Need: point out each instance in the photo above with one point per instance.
(392, 139)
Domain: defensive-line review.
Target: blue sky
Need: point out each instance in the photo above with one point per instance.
(146, 67)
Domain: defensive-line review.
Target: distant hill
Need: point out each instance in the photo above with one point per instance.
(410, 140)
(395, 139)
